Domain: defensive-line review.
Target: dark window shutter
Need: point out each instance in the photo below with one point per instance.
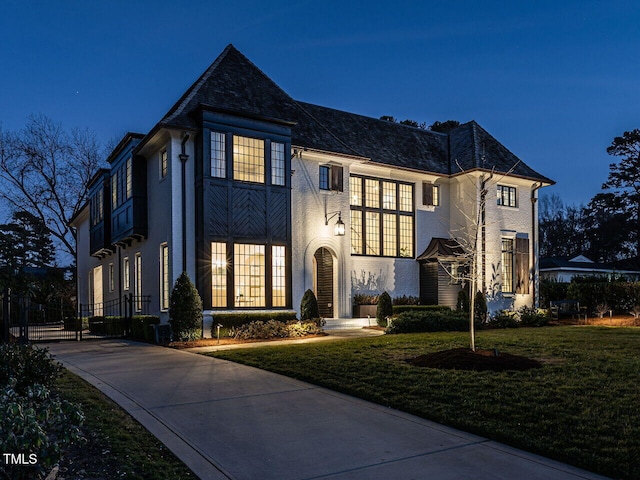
(427, 193)
(336, 178)
(522, 265)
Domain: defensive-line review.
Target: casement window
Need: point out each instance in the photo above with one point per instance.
(137, 282)
(122, 184)
(165, 286)
(218, 274)
(249, 275)
(507, 265)
(331, 178)
(248, 159)
(126, 278)
(112, 279)
(218, 155)
(382, 217)
(515, 265)
(97, 207)
(430, 194)
(278, 276)
(164, 164)
(507, 196)
(277, 164)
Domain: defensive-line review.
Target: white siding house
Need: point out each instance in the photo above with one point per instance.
(247, 189)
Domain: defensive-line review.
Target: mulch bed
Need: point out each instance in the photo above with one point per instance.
(211, 342)
(480, 360)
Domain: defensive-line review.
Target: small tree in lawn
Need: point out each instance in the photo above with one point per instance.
(185, 310)
(309, 307)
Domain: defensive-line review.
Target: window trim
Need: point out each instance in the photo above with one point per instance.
(126, 274)
(164, 164)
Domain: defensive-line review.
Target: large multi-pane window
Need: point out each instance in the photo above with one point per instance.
(249, 275)
(277, 163)
(218, 155)
(507, 265)
(248, 159)
(278, 276)
(382, 217)
(218, 274)
(164, 277)
(507, 196)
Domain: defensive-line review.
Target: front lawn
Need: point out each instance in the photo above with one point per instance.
(582, 407)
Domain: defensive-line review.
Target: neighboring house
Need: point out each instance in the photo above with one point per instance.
(259, 197)
(564, 269)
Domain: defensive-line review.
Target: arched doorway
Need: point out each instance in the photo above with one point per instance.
(324, 282)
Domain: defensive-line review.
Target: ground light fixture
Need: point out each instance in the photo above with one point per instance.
(338, 229)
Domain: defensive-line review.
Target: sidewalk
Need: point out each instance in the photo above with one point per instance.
(229, 421)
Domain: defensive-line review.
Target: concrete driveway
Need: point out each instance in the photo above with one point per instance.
(228, 421)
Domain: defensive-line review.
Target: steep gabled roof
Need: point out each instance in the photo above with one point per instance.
(233, 83)
(472, 147)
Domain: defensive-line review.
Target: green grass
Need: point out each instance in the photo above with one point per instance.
(582, 407)
(117, 446)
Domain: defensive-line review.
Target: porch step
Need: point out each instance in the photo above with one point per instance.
(346, 323)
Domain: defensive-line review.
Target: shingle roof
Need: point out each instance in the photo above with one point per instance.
(234, 83)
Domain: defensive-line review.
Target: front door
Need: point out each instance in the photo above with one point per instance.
(324, 282)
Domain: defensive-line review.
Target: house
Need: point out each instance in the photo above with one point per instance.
(565, 269)
(259, 197)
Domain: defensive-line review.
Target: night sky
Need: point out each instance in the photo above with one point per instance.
(553, 81)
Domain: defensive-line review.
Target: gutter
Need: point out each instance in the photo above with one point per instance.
(534, 188)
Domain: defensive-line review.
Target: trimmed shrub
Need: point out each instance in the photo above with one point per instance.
(504, 319)
(260, 330)
(463, 304)
(142, 329)
(480, 310)
(185, 310)
(27, 366)
(112, 326)
(309, 306)
(397, 309)
(384, 309)
(532, 317)
(429, 321)
(406, 300)
(235, 320)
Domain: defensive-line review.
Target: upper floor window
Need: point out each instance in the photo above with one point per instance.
(218, 155)
(430, 194)
(248, 159)
(97, 207)
(382, 218)
(277, 163)
(122, 184)
(507, 196)
(164, 164)
(331, 178)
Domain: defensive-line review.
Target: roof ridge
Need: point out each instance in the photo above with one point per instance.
(186, 97)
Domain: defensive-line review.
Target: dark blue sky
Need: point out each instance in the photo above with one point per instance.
(554, 81)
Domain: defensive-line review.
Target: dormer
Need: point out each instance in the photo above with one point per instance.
(128, 192)
(100, 215)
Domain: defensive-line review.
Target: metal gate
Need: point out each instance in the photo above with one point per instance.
(24, 321)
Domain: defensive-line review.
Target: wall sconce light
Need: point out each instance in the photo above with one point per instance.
(338, 229)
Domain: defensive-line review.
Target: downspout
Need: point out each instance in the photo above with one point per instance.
(534, 199)
(183, 159)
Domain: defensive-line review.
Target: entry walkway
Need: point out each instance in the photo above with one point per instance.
(229, 421)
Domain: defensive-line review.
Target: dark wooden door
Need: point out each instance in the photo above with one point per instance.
(324, 282)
